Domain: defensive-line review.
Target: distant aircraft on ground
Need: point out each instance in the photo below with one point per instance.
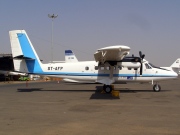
(110, 65)
(70, 56)
(175, 66)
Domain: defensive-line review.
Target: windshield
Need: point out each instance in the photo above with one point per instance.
(157, 67)
(153, 65)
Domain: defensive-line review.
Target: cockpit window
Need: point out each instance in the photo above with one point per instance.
(153, 65)
(157, 67)
(120, 68)
(147, 66)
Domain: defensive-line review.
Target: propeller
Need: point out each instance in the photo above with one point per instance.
(142, 57)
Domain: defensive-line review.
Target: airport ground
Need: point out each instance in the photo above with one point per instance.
(51, 108)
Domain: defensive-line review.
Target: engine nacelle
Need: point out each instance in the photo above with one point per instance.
(129, 64)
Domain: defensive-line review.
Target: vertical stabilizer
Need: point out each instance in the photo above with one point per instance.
(24, 55)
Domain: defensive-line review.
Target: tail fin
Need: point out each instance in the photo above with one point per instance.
(176, 66)
(24, 55)
(70, 56)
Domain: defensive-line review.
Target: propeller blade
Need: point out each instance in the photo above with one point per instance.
(141, 68)
(140, 54)
(143, 56)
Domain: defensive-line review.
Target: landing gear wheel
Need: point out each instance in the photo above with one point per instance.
(107, 88)
(104, 87)
(156, 88)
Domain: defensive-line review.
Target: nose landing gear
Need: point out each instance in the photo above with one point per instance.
(156, 88)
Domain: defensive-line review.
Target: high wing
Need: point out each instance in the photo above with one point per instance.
(111, 53)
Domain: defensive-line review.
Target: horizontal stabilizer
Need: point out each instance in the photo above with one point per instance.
(22, 57)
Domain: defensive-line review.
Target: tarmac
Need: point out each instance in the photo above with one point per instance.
(51, 108)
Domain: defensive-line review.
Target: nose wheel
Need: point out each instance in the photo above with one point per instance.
(156, 88)
(107, 88)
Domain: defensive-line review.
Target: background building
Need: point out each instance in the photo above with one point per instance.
(6, 64)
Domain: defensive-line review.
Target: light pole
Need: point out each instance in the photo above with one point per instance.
(53, 16)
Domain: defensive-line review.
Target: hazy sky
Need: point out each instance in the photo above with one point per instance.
(152, 26)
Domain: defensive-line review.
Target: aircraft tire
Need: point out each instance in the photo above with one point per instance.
(157, 88)
(107, 88)
(104, 86)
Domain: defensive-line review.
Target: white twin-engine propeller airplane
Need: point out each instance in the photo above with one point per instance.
(110, 65)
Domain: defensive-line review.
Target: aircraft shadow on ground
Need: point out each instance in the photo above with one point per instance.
(97, 90)
(97, 94)
(41, 90)
(29, 89)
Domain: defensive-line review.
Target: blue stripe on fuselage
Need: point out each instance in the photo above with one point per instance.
(104, 75)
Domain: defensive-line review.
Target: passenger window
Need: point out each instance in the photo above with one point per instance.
(129, 68)
(108, 68)
(96, 67)
(102, 68)
(86, 68)
(120, 68)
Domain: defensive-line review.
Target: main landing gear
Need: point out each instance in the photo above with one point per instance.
(156, 88)
(107, 88)
(110, 89)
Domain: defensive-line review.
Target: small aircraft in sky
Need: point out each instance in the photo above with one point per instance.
(111, 65)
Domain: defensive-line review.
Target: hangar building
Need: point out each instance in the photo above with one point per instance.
(6, 64)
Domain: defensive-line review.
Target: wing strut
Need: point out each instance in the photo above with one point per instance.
(111, 72)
